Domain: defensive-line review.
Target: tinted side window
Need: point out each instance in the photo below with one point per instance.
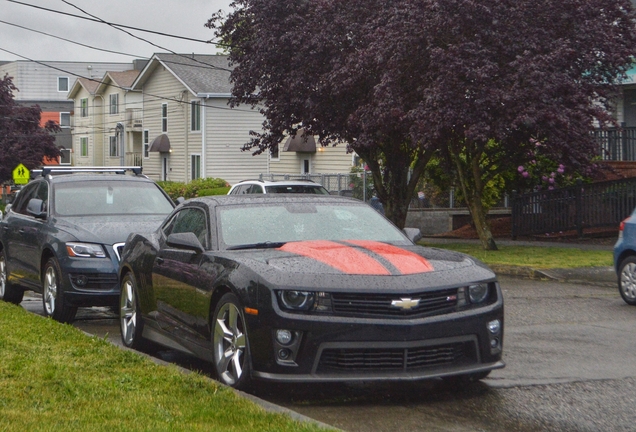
(189, 220)
(23, 198)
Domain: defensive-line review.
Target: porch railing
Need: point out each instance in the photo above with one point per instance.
(617, 144)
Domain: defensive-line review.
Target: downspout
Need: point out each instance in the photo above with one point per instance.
(203, 149)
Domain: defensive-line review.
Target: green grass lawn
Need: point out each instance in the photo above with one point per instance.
(538, 257)
(54, 377)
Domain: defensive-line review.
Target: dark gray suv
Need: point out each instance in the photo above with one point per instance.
(63, 235)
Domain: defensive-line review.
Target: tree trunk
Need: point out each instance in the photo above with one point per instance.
(470, 179)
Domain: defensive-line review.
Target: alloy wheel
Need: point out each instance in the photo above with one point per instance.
(628, 281)
(3, 276)
(229, 343)
(50, 290)
(128, 313)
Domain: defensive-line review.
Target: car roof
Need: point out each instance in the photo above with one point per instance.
(280, 182)
(273, 198)
(81, 177)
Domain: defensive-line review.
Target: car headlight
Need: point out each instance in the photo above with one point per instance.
(478, 293)
(85, 250)
(296, 300)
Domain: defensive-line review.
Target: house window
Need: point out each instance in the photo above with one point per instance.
(84, 107)
(65, 119)
(274, 154)
(146, 144)
(304, 166)
(65, 156)
(195, 116)
(113, 148)
(62, 84)
(164, 117)
(195, 161)
(114, 103)
(84, 146)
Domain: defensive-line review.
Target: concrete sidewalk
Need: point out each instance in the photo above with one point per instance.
(599, 276)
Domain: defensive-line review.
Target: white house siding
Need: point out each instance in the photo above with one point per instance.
(38, 81)
(326, 160)
(226, 131)
(163, 87)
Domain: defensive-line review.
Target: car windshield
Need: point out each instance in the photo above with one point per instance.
(286, 222)
(297, 189)
(109, 198)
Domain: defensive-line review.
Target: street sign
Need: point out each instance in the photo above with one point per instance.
(21, 175)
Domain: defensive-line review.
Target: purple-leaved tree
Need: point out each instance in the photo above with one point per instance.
(22, 140)
(472, 83)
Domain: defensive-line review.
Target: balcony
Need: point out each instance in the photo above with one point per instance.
(134, 119)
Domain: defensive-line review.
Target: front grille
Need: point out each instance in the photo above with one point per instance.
(94, 281)
(118, 248)
(430, 303)
(396, 359)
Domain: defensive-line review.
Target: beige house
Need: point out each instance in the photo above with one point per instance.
(189, 130)
(304, 155)
(107, 127)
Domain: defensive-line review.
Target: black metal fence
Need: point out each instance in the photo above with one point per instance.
(603, 204)
(617, 144)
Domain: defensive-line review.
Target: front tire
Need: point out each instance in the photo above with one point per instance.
(229, 339)
(627, 280)
(130, 321)
(53, 296)
(8, 292)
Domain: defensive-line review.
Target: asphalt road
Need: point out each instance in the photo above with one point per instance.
(570, 352)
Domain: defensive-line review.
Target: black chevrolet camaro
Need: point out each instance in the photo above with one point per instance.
(307, 288)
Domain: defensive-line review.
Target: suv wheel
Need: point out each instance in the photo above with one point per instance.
(52, 295)
(627, 280)
(8, 292)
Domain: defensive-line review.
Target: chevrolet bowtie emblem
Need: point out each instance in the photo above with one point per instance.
(405, 303)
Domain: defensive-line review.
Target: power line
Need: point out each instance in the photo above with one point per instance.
(118, 25)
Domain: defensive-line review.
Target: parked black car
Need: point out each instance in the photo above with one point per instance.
(63, 235)
(307, 288)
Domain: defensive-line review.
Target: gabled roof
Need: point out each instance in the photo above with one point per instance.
(203, 75)
(90, 85)
(123, 79)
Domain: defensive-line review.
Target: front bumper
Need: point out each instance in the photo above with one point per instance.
(90, 281)
(329, 349)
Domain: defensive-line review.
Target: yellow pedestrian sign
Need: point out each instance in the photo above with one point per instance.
(21, 175)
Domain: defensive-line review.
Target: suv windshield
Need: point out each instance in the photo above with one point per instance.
(297, 189)
(109, 198)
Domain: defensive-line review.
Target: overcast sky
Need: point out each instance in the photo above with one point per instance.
(183, 18)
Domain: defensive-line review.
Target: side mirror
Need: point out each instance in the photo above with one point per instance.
(180, 200)
(414, 234)
(36, 208)
(185, 240)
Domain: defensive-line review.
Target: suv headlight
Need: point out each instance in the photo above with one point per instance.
(296, 300)
(85, 250)
(478, 293)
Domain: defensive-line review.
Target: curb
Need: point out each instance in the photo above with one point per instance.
(597, 276)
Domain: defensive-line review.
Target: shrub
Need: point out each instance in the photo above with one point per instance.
(198, 187)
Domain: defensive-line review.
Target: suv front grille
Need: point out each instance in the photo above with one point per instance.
(430, 303)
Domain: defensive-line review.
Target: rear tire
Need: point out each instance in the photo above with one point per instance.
(627, 280)
(8, 292)
(53, 296)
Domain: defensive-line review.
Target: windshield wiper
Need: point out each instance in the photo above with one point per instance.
(262, 245)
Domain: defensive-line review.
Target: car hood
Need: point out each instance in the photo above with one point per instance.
(108, 229)
(362, 264)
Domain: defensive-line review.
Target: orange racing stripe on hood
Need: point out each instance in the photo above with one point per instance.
(345, 258)
(406, 262)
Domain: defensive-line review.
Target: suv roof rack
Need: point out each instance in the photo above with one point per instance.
(137, 170)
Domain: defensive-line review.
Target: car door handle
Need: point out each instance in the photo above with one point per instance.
(159, 261)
